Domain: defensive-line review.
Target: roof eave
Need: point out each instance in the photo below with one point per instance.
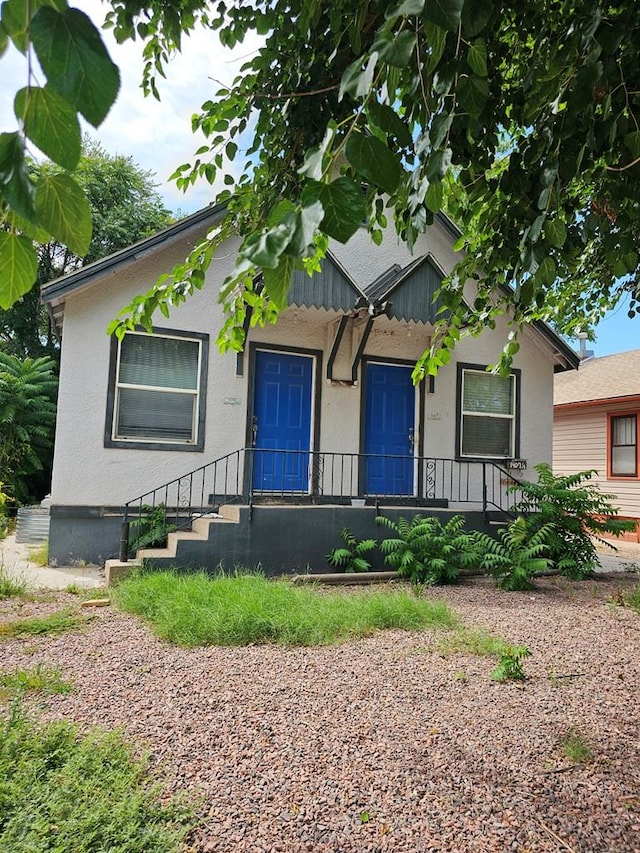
(59, 288)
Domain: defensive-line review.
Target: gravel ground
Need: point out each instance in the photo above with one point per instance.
(380, 744)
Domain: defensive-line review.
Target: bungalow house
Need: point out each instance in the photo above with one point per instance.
(319, 413)
(596, 417)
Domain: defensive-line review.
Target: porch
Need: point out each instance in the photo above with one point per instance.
(283, 509)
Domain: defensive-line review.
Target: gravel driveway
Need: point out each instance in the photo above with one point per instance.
(383, 744)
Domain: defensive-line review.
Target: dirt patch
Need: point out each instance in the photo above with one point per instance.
(387, 743)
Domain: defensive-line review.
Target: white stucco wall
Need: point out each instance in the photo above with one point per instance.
(88, 473)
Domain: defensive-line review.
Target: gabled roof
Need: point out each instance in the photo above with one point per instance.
(597, 379)
(409, 291)
(332, 288)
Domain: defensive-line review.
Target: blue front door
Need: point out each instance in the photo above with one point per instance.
(282, 422)
(389, 426)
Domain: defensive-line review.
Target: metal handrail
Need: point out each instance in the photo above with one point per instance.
(249, 475)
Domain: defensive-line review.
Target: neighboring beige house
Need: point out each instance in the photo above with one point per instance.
(319, 412)
(596, 415)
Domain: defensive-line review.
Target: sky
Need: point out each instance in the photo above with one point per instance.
(157, 135)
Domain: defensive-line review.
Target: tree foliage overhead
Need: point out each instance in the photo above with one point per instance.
(355, 110)
(125, 206)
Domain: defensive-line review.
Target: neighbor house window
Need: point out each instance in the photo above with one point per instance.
(487, 422)
(623, 433)
(157, 397)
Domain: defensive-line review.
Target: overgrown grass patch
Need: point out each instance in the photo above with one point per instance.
(39, 554)
(472, 641)
(632, 600)
(576, 747)
(83, 793)
(11, 586)
(199, 610)
(55, 623)
(37, 679)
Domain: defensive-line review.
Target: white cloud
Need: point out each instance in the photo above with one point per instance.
(156, 134)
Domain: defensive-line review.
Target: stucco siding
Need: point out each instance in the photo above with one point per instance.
(86, 473)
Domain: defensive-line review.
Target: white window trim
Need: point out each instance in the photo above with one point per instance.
(195, 393)
(464, 413)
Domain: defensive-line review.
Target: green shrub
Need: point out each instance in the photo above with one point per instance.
(426, 552)
(61, 791)
(517, 556)
(196, 609)
(351, 558)
(510, 664)
(576, 511)
(150, 529)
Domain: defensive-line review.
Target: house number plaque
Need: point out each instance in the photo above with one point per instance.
(517, 465)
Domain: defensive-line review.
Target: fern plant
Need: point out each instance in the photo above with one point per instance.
(351, 558)
(576, 511)
(150, 529)
(518, 555)
(427, 552)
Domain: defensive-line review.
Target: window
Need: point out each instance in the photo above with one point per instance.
(157, 393)
(487, 413)
(623, 432)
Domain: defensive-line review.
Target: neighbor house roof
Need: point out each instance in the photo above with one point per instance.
(600, 379)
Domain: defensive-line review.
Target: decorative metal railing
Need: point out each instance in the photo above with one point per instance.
(252, 475)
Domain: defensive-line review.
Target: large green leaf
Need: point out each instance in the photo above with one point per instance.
(472, 94)
(4, 39)
(395, 49)
(475, 16)
(357, 80)
(52, 123)
(15, 186)
(76, 61)
(444, 13)
(16, 16)
(477, 57)
(18, 267)
(64, 211)
(343, 203)
(436, 39)
(407, 7)
(386, 118)
(373, 161)
(277, 282)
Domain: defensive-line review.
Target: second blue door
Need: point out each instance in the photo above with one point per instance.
(282, 422)
(389, 427)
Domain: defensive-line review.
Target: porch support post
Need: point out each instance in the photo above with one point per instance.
(123, 555)
(362, 345)
(336, 345)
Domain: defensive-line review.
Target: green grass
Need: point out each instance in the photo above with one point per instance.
(39, 554)
(38, 679)
(200, 610)
(63, 791)
(632, 599)
(576, 747)
(10, 586)
(472, 641)
(56, 623)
